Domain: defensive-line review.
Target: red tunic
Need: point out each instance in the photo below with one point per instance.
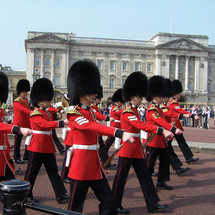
(21, 112)
(41, 121)
(168, 113)
(155, 116)
(86, 164)
(99, 116)
(175, 108)
(5, 153)
(116, 114)
(132, 123)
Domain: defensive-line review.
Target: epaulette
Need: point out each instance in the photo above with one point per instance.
(75, 111)
(17, 99)
(115, 109)
(163, 108)
(128, 110)
(35, 112)
(173, 102)
(152, 107)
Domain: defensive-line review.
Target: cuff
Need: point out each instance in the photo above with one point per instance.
(119, 133)
(180, 116)
(160, 131)
(61, 124)
(173, 129)
(16, 129)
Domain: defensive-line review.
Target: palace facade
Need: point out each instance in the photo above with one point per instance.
(187, 58)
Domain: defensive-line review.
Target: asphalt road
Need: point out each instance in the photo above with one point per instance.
(193, 193)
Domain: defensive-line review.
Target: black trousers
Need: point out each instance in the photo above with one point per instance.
(78, 193)
(145, 180)
(17, 144)
(109, 142)
(184, 147)
(175, 162)
(161, 153)
(35, 161)
(8, 173)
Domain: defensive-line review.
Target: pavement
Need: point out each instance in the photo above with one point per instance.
(193, 193)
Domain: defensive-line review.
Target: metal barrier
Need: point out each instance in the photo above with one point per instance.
(13, 197)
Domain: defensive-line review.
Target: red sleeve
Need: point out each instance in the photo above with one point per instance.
(40, 122)
(154, 117)
(132, 120)
(100, 116)
(54, 110)
(6, 128)
(83, 123)
(20, 107)
(174, 107)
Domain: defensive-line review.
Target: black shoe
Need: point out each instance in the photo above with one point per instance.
(181, 170)
(155, 174)
(63, 199)
(19, 161)
(192, 160)
(17, 170)
(32, 199)
(164, 185)
(110, 165)
(156, 208)
(122, 210)
(67, 181)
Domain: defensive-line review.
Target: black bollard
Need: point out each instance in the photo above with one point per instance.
(13, 193)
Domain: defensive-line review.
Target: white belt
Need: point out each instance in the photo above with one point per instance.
(4, 147)
(41, 132)
(86, 147)
(135, 134)
(116, 120)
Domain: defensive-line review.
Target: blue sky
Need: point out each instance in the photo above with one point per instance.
(119, 19)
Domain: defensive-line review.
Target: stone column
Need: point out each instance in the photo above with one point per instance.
(165, 66)
(205, 75)
(176, 66)
(30, 64)
(196, 74)
(52, 66)
(186, 73)
(158, 65)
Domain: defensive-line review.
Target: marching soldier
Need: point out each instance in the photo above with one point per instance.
(174, 160)
(83, 87)
(6, 162)
(157, 148)
(175, 107)
(115, 113)
(134, 89)
(41, 146)
(22, 112)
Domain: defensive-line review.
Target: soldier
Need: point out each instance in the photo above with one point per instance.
(22, 112)
(6, 162)
(157, 148)
(115, 113)
(83, 87)
(174, 160)
(41, 146)
(134, 89)
(175, 107)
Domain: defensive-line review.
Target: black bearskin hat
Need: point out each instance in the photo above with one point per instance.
(22, 85)
(42, 90)
(176, 86)
(168, 87)
(100, 94)
(156, 87)
(135, 84)
(117, 96)
(3, 87)
(83, 79)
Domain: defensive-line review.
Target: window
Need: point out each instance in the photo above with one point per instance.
(149, 67)
(57, 62)
(111, 84)
(112, 65)
(180, 68)
(57, 80)
(137, 66)
(170, 69)
(123, 81)
(209, 87)
(37, 62)
(209, 70)
(190, 86)
(124, 66)
(47, 61)
(190, 69)
(47, 75)
(99, 64)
